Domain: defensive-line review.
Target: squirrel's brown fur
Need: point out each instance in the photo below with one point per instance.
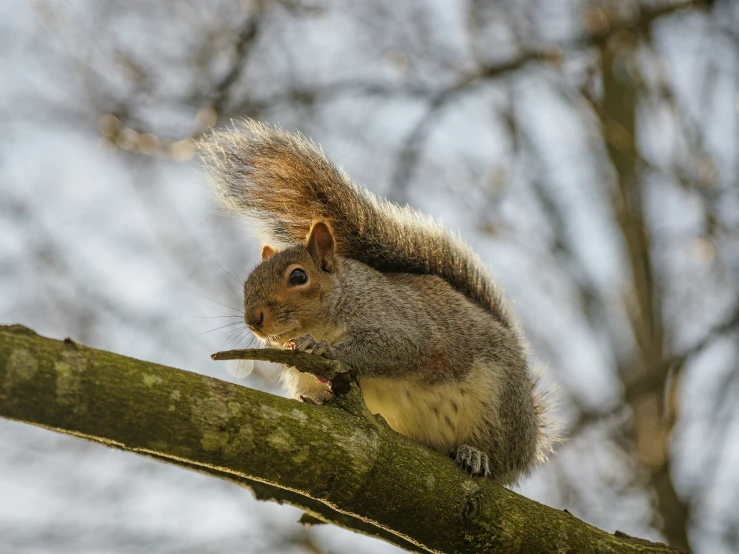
(388, 291)
(285, 182)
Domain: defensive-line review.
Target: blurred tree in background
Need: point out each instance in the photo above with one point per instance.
(587, 149)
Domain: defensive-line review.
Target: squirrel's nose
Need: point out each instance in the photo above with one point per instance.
(255, 318)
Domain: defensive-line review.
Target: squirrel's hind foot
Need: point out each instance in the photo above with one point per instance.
(472, 460)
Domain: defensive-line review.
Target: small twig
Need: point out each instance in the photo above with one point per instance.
(332, 370)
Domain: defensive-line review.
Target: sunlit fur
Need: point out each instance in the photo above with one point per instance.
(284, 182)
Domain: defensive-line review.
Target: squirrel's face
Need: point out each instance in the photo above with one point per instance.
(284, 296)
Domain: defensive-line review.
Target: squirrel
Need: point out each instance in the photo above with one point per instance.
(389, 292)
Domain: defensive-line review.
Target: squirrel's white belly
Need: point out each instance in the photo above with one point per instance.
(442, 416)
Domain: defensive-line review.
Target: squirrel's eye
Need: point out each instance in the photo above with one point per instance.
(298, 277)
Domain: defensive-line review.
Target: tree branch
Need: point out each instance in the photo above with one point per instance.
(337, 462)
(412, 148)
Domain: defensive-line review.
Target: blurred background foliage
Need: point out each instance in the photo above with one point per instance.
(586, 148)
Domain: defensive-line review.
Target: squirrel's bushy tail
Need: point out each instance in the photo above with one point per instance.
(549, 426)
(285, 182)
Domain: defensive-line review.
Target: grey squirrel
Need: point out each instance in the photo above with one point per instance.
(389, 292)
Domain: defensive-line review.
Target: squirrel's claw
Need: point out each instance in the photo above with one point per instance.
(308, 343)
(472, 460)
(317, 399)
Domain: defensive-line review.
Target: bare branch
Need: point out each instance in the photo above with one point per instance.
(336, 457)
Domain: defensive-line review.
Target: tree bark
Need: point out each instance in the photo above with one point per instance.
(337, 462)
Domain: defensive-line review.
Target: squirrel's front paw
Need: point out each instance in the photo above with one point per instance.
(317, 399)
(308, 343)
(471, 459)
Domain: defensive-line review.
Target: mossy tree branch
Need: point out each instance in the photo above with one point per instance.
(337, 462)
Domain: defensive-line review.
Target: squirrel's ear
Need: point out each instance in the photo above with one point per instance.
(320, 245)
(267, 252)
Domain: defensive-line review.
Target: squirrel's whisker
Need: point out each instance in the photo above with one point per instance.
(237, 310)
(221, 327)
